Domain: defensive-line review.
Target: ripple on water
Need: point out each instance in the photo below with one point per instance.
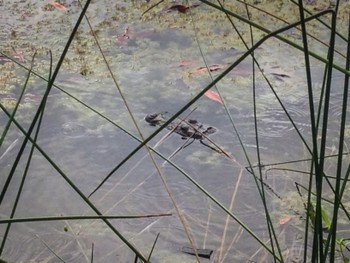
(274, 122)
(18, 248)
(335, 107)
(66, 129)
(152, 194)
(73, 129)
(151, 197)
(25, 246)
(30, 242)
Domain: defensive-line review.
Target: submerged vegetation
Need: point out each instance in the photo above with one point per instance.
(88, 175)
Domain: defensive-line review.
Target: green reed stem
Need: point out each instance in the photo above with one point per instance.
(77, 217)
(8, 124)
(320, 167)
(312, 118)
(75, 188)
(43, 101)
(26, 168)
(337, 197)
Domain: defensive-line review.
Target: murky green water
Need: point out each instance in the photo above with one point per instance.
(156, 62)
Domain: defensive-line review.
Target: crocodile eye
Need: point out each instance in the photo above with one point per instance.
(210, 130)
(198, 136)
(184, 128)
(152, 118)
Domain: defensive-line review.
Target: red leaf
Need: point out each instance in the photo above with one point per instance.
(210, 68)
(180, 8)
(284, 220)
(59, 6)
(19, 55)
(213, 96)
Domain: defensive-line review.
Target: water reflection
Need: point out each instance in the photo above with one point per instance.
(87, 147)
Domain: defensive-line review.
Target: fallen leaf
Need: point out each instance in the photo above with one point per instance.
(284, 220)
(180, 8)
(279, 73)
(282, 75)
(19, 55)
(213, 96)
(210, 68)
(59, 6)
(124, 39)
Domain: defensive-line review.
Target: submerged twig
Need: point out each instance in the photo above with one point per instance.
(92, 252)
(153, 246)
(49, 248)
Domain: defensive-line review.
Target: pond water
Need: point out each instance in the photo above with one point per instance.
(157, 63)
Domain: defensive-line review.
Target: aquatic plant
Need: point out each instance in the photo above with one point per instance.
(194, 196)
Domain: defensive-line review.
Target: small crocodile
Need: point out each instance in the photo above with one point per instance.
(187, 128)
